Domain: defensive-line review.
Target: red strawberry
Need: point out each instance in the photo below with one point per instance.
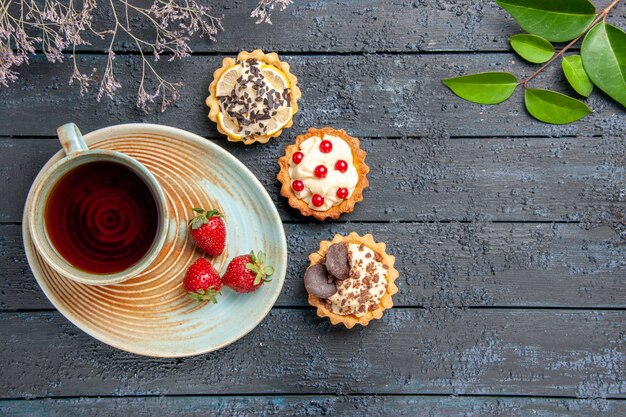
(202, 282)
(208, 231)
(246, 273)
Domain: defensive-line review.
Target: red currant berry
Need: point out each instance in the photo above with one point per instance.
(326, 146)
(317, 200)
(341, 166)
(342, 193)
(297, 185)
(297, 157)
(320, 171)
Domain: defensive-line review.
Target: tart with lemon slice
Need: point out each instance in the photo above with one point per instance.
(253, 98)
(324, 173)
(351, 279)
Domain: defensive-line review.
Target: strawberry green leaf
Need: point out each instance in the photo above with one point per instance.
(532, 48)
(213, 213)
(576, 75)
(552, 107)
(251, 266)
(209, 295)
(258, 279)
(483, 88)
(269, 270)
(604, 58)
(203, 217)
(260, 257)
(196, 222)
(554, 20)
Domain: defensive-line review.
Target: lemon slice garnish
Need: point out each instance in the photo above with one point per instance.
(278, 121)
(229, 125)
(279, 81)
(275, 77)
(226, 83)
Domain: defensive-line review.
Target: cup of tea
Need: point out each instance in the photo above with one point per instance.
(97, 216)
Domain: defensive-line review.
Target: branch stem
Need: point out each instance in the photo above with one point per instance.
(601, 16)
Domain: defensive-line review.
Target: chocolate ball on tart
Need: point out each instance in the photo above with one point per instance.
(324, 173)
(253, 98)
(351, 280)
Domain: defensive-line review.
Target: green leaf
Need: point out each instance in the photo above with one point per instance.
(554, 20)
(209, 295)
(258, 278)
(483, 88)
(196, 222)
(532, 48)
(604, 58)
(576, 75)
(552, 107)
(269, 270)
(213, 213)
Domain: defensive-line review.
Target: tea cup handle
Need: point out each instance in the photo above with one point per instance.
(71, 139)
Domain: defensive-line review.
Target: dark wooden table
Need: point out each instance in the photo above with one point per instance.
(509, 234)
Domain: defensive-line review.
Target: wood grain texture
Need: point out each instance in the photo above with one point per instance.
(368, 95)
(298, 405)
(482, 337)
(357, 26)
(544, 179)
(464, 265)
(409, 351)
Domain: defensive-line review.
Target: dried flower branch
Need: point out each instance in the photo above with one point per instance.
(56, 27)
(262, 12)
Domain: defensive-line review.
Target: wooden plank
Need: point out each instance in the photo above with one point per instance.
(357, 26)
(18, 290)
(464, 265)
(20, 161)
(369, 95)
(347, 406)
(411, 351)
(544, 179)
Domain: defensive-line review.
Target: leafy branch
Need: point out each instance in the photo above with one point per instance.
(602, 61)
(163, 27)
(601, 16)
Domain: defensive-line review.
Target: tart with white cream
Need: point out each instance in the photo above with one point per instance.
(351, 280)
(253, 98)
(324, 173)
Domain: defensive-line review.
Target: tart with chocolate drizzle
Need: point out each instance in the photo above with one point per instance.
(324, 173)
(253, 98)
(351, 280)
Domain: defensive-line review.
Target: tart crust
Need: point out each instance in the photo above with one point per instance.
(272, 58)
(358, 157)
(385, 302)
